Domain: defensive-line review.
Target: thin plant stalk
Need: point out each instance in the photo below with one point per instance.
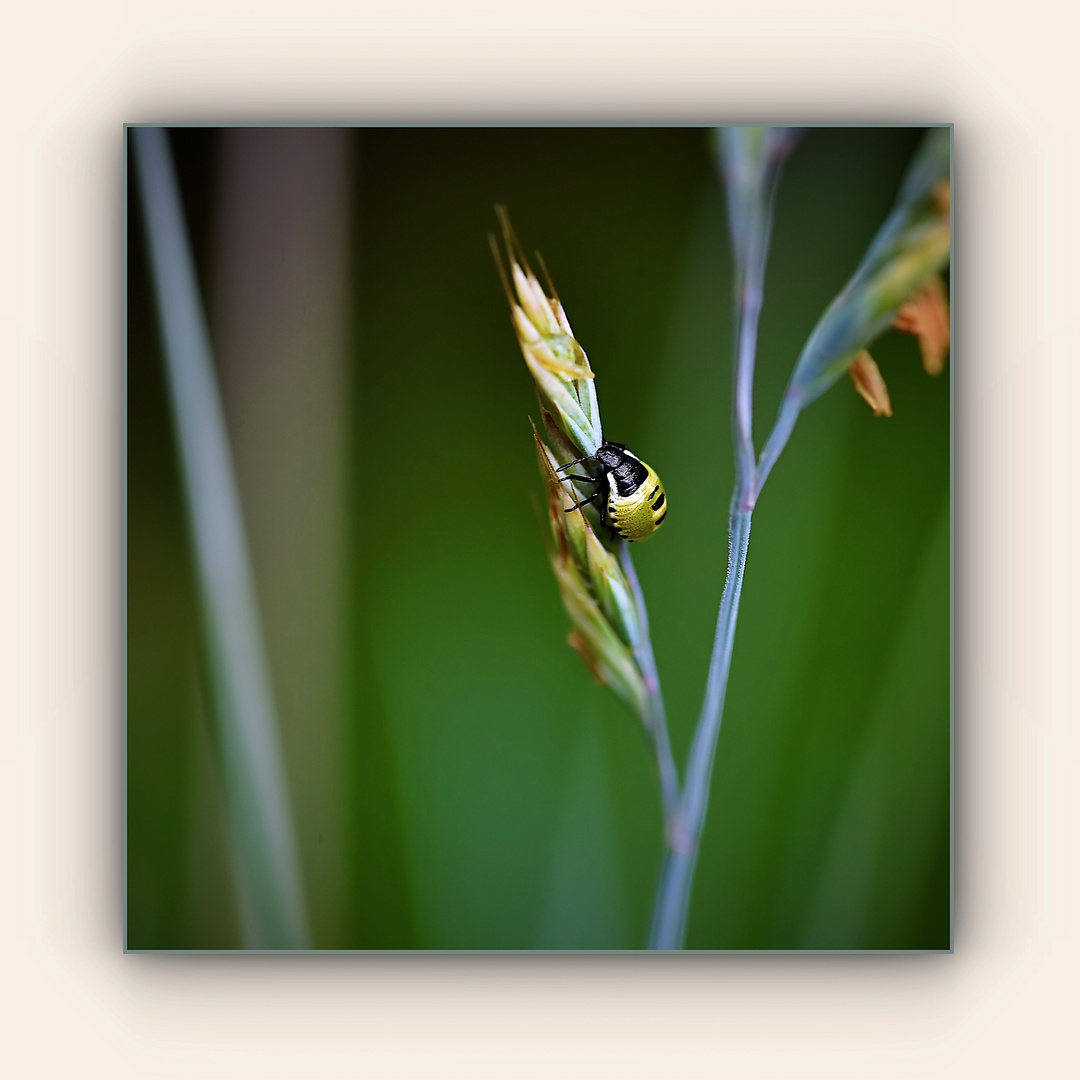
(261, 823)
(906, 254)
(684, 832)
(751, 160)
(656, 716)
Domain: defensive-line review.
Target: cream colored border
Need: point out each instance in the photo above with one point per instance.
(73, 1005)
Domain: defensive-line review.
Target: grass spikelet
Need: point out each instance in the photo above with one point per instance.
(896, 278)
(555, 359)
(926, 315)
(595, 574)
(870, 385)
(908, 253)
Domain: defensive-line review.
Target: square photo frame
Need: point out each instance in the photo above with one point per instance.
(405, 673)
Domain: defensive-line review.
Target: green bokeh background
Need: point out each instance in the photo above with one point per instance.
(494, 797)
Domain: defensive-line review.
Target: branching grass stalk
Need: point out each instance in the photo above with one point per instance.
(751, 160)
(896, 283)
(257, 797)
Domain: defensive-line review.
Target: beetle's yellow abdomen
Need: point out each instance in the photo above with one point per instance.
(638, 515)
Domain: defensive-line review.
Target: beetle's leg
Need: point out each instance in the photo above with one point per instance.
(585, 479)
(585, 502)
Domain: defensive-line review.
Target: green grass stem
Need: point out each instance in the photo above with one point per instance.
(684, 830)
(656, 715)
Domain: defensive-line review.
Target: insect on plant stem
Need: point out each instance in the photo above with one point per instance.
(601, 497)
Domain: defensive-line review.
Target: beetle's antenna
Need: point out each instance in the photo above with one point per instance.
(576, 461)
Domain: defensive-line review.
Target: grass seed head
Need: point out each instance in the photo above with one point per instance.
(925, 315)
(605, 626)
(555, 359)
(903, 260)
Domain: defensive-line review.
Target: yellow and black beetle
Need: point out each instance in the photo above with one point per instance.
(633, 503)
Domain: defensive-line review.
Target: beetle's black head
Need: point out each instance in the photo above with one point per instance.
(611, 454)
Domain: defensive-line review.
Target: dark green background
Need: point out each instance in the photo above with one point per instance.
(497, 798)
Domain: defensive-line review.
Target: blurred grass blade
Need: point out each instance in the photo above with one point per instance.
(256, 792)
(879, 859)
